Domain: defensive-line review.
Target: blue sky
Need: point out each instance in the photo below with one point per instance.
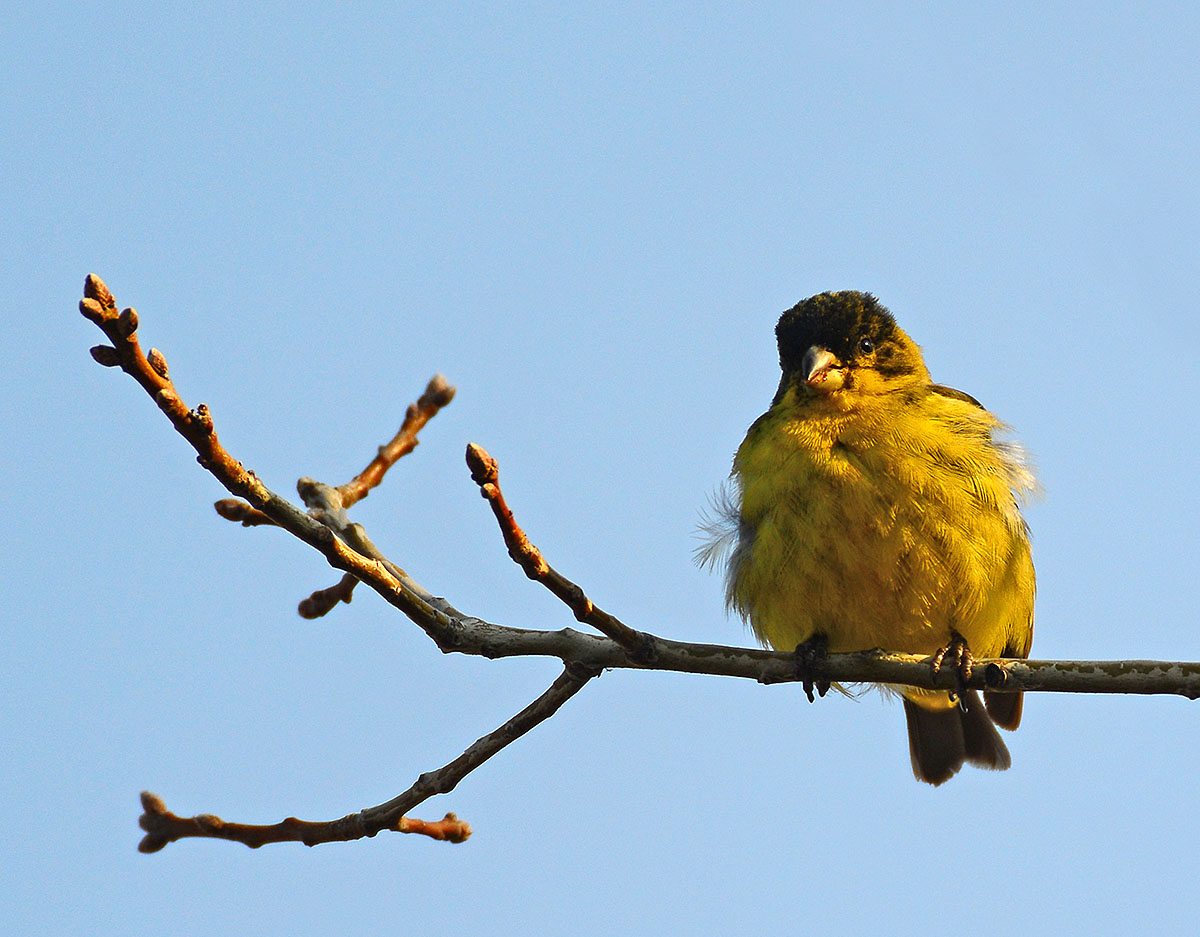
(589, 220)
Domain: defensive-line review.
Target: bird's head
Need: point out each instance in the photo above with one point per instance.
(845, 346)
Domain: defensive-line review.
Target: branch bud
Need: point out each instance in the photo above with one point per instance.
(484, 470)
(437, 392)
(202, 418)
(106, 355)
(95, 288)
(158, 363)
(127, 322)
(167, 399)
(91, 310)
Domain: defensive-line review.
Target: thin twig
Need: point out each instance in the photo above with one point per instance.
(323, 600)
(163, 827)
(437, 394)
(485, 472)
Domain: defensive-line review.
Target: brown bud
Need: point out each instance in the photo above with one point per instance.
(127, 322)
(202, 418)
(438, 392)
(208, 822)
(94, 288)
(231, 508)
(166, 398)
(105, 355)
(158, 362)
(91, 310)
(152, 842)
(484, 470)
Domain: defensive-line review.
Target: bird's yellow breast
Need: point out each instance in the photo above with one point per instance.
(882, 526)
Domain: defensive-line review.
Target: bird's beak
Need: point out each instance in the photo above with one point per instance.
(821, 371)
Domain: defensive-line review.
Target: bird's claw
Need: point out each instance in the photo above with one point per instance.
(809, 654)
(958, 654)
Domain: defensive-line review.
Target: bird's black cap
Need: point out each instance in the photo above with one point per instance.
(838, 322)
(834, 321)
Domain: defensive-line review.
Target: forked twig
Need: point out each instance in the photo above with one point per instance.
(436, 396)
(163, 827)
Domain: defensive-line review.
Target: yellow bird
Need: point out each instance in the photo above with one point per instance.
(873, 508)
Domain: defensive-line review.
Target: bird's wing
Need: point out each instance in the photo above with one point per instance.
(945, 391)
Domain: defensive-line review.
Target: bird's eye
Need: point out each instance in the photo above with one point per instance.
(866, 346)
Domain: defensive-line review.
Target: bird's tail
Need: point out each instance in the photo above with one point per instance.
(940, 739)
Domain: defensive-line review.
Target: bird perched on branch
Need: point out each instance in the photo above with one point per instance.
(873, 508)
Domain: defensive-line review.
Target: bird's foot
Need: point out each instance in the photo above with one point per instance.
(959, 656)
(809, 654)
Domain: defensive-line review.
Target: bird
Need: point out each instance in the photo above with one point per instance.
(870, 507)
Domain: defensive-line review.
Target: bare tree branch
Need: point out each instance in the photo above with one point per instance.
(437, 395)
(334, 501)
(327, 528)
(163, 827)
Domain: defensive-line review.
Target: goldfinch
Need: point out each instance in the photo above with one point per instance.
(873, 508)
